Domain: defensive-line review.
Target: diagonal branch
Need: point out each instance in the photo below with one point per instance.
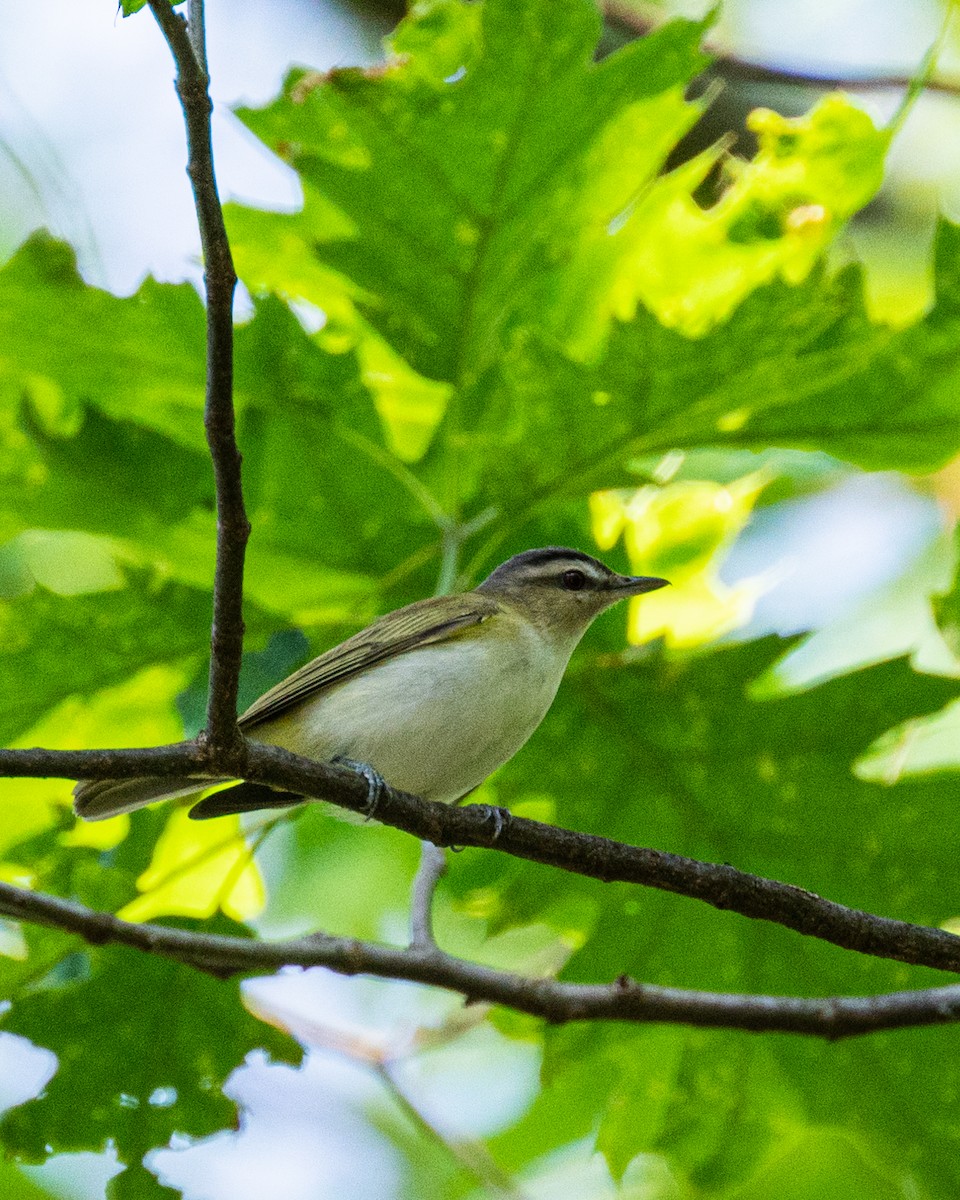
(233, 528)
(471, 1156)
(831, 1017)
(719, 885)
(716, 884)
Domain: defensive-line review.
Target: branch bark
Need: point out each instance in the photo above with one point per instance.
(220, 279)
(832, 1017)
(718, 885)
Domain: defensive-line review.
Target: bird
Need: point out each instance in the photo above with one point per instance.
(430, 699)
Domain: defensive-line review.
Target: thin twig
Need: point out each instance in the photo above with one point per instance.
(410, 482)
(197, 28)
(719, 885)
(624, 1000)
(731, 66)
(433, 866)
(471, 1156)
(370, 1052)
(247, 858)
(233, 528)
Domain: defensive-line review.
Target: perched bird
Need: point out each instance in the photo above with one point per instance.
(431, 698)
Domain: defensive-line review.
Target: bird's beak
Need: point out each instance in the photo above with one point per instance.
(636, 585)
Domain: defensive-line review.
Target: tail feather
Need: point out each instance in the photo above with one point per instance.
(97, 799)
(245, 797)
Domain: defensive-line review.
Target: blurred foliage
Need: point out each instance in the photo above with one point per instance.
(496, 322)
(130, 1088)
(681, 532)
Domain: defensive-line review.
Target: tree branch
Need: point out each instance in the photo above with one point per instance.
(636, 23)
(624, 1000)
(718, 885)
(233, 528)
(178, 758)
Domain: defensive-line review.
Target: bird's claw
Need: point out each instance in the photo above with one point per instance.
(376, 784)
(498, 817)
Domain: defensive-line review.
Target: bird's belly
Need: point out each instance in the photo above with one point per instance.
(435, 721)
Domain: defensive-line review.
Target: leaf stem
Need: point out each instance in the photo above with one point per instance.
(639, 20)
(924, 73)
(401, 473)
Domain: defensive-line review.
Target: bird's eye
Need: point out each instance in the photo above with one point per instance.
(573, 581)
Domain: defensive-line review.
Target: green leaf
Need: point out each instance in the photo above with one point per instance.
(332, 506)
(137, 1183)
(107, 476)
(15, 1185)
(795, 366)
(826, 1163)
(508, 154)
(158, 1067)
(42, 950)
(539, 215)
(310, 864)
(129, 7)
(111, 441)
(198, 868)
(671, 753)
(946, 606)
(149, 368)
(77, 645)
(775, 218)
(921, 746)
(139, 711)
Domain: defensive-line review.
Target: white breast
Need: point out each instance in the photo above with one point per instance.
(435, 721)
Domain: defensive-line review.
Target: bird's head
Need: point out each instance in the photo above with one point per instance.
(560, 590)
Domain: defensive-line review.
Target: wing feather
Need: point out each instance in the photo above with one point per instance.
(406, 629)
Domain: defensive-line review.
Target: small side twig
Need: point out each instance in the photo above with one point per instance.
(220, 279)
(433, 866)
(197, 29)
(384, 1060)
(732, 66)
(472, 1156)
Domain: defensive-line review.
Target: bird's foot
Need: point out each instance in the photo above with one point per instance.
(498, 818)
(376, 784)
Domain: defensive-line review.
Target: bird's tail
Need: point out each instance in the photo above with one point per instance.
(97, 799)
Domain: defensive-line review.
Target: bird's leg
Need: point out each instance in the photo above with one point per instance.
(376, 784)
